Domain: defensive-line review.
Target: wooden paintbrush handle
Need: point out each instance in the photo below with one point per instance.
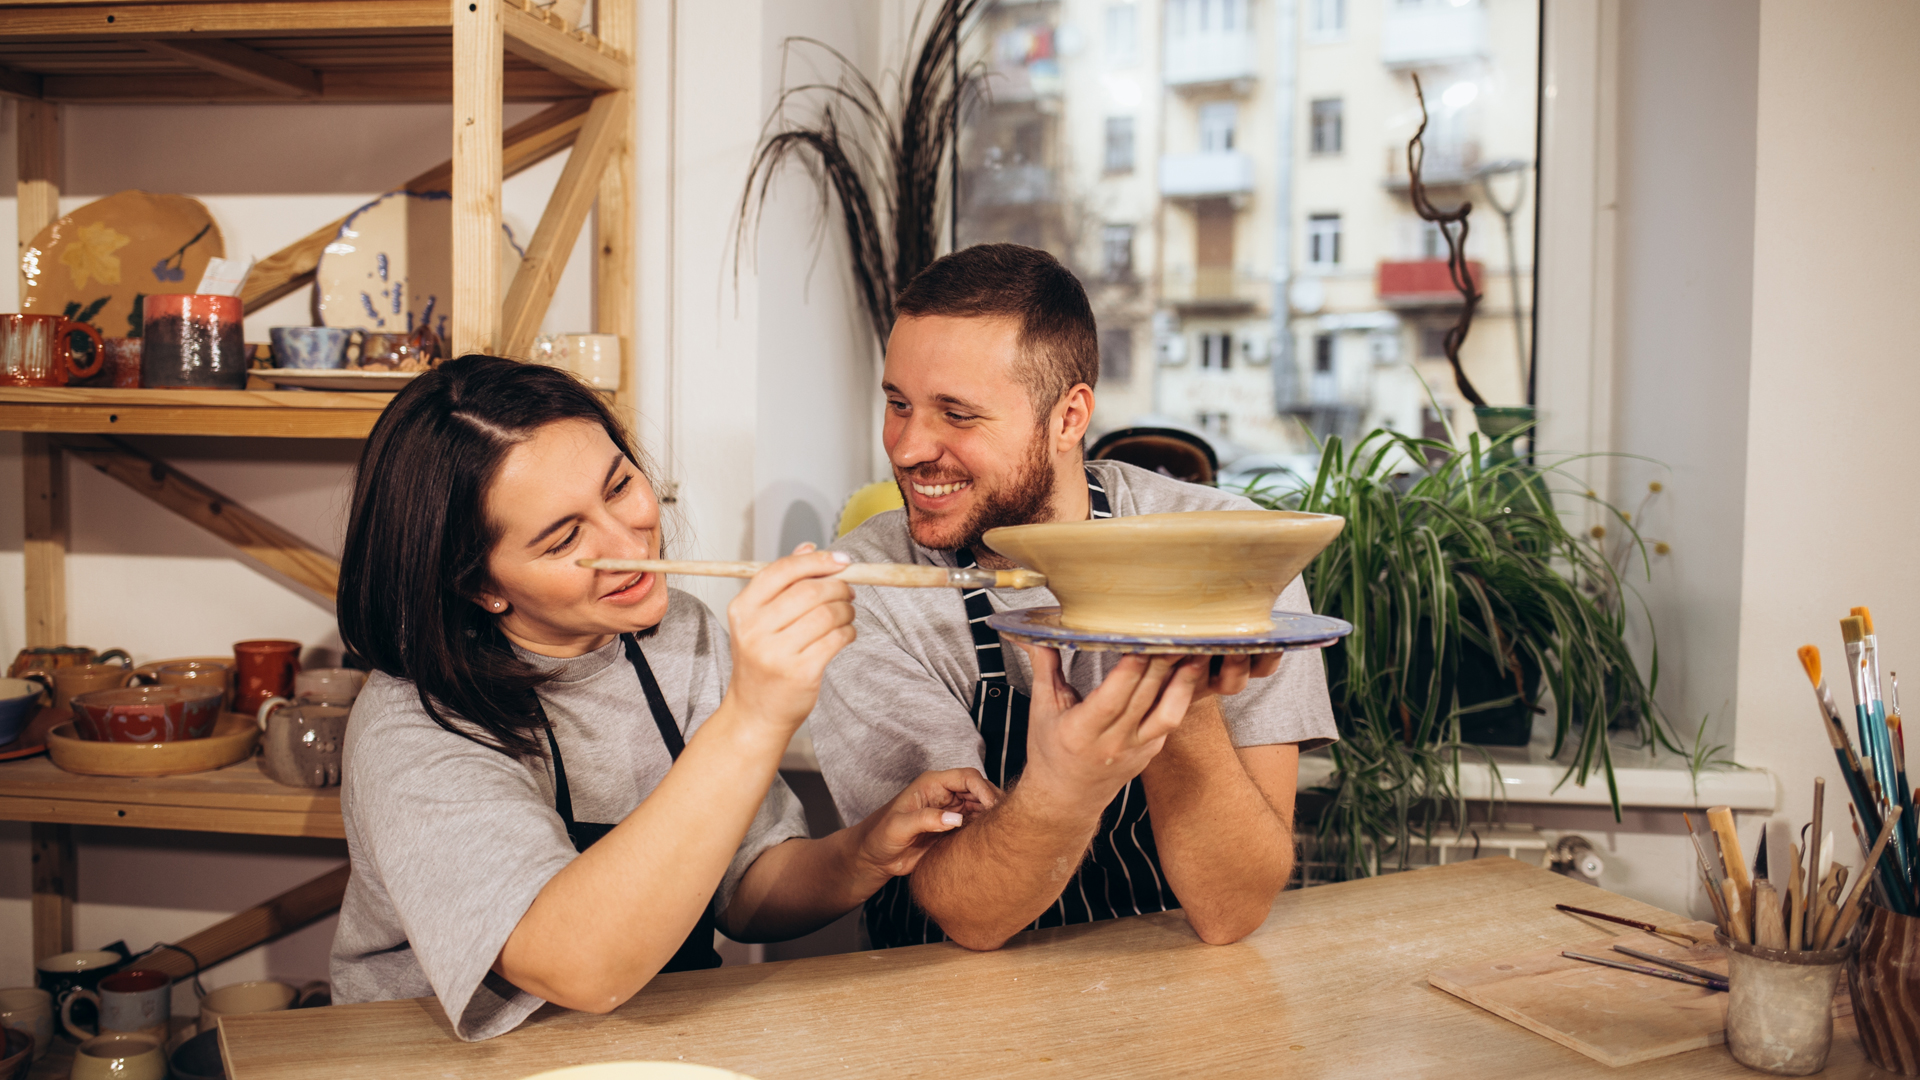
(1850, 911)
(1741, 926)
(897, 574)
(1768, 927)
(1720, 819)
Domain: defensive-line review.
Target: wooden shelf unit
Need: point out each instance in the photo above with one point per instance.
(475, 53)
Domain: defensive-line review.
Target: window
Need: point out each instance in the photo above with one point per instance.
(1116, 252)
(1433, 343)
(1213, 424)
(1122, 27)
(1217, 122)
(1323, 241)
(1216, 351)
(1327, 19)
(1119, 156)
(1116, 355)
(1322, 354)
(1326, 125)
(1432, 244)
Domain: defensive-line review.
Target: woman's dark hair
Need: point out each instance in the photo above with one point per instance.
(418, 540)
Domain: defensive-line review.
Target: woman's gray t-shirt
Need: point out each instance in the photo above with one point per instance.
(451, 841)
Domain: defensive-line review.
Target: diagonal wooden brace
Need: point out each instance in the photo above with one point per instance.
(601, 137)
(258, 925)
(524, 145)
(270, 544)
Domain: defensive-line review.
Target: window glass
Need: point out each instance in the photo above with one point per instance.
(1244, 216)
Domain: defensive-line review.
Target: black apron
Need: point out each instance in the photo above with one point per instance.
(696, 953)
(1121, 876)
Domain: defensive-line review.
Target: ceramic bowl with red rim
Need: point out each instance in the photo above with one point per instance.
(147, 714)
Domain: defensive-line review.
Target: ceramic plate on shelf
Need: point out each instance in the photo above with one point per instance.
(335, 379)
(97, 262)
(232, 740)
(390, 268)
(1041, 626)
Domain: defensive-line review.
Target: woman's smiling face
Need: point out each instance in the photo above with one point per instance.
(565, 494)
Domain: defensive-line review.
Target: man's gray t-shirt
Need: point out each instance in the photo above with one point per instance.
(450, 841)
(898, 700)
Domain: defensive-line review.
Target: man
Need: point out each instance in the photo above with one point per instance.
(1133, 785)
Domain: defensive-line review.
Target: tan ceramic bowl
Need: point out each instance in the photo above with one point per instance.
(1204, 572)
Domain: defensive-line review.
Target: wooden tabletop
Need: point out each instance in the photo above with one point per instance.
(1334, 984)
(236, 799)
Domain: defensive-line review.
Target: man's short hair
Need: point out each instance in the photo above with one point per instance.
(1059, 343)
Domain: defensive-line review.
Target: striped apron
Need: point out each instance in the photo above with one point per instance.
(1121, 874)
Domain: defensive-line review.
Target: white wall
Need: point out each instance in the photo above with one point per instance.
(749, 417)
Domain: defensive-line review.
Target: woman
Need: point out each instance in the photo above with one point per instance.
(556, 783)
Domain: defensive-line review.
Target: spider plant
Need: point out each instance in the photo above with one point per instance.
(1450, 558)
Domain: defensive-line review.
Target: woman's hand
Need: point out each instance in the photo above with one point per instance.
(786, 624)
(894, 837)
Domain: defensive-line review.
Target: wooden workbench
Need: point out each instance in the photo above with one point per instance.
(1334, 985)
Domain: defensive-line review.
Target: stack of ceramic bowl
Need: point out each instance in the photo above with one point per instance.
(174, 724)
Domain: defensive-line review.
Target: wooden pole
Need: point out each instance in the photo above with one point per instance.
(613, 216)
(56, 887)
(478, 62)
(258, 925)
(539, 275)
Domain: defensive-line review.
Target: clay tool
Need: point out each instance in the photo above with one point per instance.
(1740, 926)
(1706, 876)
(1850, 910)
(1732, 858)
(1760, 857)
(1829, 899)
(1696, 972)
(1714, 983)
(1635, 923)
(1809, 908)
(902, 575)
(1795, 903)
(1767, 925)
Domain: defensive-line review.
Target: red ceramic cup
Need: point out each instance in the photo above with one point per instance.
(266, 671)
(147, 714)
(37, 350)
(193, 340)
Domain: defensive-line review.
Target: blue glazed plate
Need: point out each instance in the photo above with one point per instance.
(390, 267)
(1291, 631)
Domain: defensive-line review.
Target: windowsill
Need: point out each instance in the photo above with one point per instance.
(1529, 774)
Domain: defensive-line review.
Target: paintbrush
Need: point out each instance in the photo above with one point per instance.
(1670, 931)
(902, 575)
(1808, 907)
(1713, 983)
(1697, 972)
(1706, 876)
(1903, 792)
(1850, 910)
(1859, 783)
(1869, 711)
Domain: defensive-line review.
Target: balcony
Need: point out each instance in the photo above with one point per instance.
(1432, 34)
(1215, 288)
(1448, 163)
(1008, 185)
(1423, 283)
(1204, 176)
(1197, 59)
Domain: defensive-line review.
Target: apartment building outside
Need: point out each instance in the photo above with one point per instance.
(1229, 179)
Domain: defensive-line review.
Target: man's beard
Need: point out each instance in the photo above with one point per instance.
(1028, 498)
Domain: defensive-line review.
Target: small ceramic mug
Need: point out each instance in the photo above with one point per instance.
(595, 358)
(148, 714)
(302, 744)
(19, 700)
(310, 347)
(123, 363)
(193, 341)
(266, 670)
(134, 1001)
(37, 350)
(67, 683)
(192, 673)
(258, 996)
(62, 974)
(29, 1009)
(120, 1056)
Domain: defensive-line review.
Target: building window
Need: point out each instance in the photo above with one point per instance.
(1322, 354)
(1122, 28)
(1116, 355)
(1116, 252)
(1213, 424)
(1433, 343)
(1326, 125)
(1217, 122)
(1323, 241)
(1216, 352)
(1119, 157)
(1433, 245)
(1327, 19)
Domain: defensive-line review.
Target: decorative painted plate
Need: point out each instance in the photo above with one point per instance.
(335, 379)
(390, 268)
(1041, 626)
(97, 264)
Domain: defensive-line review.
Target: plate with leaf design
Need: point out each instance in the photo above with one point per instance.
(99, 263)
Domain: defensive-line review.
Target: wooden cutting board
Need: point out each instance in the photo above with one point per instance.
(1615, 1017)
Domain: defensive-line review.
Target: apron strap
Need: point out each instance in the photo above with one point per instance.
(656, 702)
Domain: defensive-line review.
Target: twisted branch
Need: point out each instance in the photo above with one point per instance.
(1453, 226)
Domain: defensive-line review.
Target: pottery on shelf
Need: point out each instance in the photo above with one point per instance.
(147, 714)
(309, 348)
(194, 341)
(1203, 572)
(19, 701)
(233, 739)
(390, 268)
(106, 256)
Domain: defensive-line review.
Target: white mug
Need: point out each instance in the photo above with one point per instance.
(29, 1009)
(595, 358)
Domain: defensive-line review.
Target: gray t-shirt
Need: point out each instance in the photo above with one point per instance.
(451, 841)
(898, 701)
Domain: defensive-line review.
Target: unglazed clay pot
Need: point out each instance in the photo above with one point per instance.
(147, 714)
(1203, 572)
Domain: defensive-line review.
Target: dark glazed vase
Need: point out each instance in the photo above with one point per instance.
(1884, 978)
(193, 341)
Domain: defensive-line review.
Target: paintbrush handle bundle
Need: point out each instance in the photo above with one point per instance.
(898, 575)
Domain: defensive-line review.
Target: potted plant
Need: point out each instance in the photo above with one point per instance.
(1468, 595)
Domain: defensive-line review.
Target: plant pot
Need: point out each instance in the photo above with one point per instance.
(1483, 678)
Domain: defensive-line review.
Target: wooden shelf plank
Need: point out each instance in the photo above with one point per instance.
(531, 37)
(286, 414)
(222, 17)
(236, 799)
(368, 85)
